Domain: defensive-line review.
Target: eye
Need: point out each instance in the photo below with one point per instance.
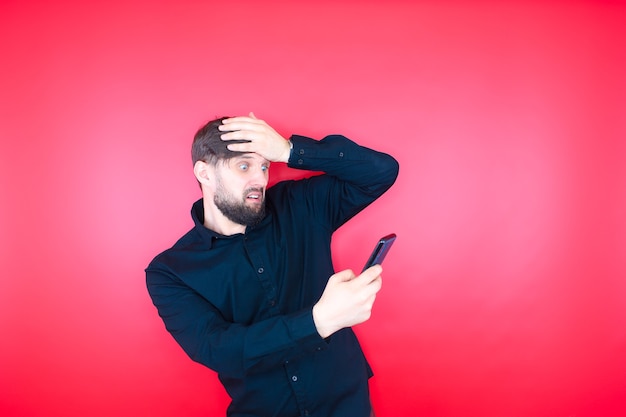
(243, 166)
(265, 168)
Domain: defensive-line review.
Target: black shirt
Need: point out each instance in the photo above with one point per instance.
(242, 304)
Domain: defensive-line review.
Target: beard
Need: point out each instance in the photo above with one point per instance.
(236, 210)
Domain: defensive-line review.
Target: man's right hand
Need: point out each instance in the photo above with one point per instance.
(261, 138)
(347, 300)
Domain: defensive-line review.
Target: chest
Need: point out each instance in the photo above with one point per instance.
(264, 273)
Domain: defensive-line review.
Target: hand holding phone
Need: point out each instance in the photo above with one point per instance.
(380, 251)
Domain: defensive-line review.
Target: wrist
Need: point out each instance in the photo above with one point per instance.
(323, 329)
(287, 151)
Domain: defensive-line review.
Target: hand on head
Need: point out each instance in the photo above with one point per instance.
(261, 138)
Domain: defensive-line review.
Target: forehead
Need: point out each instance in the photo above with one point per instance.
(248, 157)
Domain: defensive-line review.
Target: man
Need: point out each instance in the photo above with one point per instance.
(250, 291)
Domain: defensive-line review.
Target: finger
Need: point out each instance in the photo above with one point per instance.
(372, 289)
(377, 284)
(243, 147)
(371, 273)
(244, 135)
(343, 276)
(242, 119)
(243, 127)
(240, 125)
(235, 119)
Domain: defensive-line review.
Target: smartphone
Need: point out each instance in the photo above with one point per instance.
(380, 251)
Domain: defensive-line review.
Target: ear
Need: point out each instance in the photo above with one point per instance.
(201, 171)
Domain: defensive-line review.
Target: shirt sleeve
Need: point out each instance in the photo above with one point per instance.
(231, 349)
(355, 175)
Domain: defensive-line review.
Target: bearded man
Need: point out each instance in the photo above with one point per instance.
(250, 291)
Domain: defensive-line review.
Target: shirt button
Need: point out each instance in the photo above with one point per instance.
(260, 270)
(301, 151)
(294, 378)
(272, 303)
(300, 161)
(341, 154)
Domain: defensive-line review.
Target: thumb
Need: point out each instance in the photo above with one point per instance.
(252, 115)
(342, 276)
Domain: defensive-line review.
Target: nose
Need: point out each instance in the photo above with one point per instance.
(259, 177)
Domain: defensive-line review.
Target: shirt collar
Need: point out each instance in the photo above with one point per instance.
(197, 214)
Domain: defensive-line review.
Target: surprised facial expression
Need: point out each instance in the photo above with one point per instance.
(240, 188)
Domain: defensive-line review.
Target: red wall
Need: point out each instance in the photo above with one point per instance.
(505, 294)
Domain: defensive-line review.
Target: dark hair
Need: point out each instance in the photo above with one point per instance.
(208, 146)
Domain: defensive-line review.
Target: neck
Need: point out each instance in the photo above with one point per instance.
(216, 221)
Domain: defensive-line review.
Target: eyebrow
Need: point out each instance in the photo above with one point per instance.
(249, 156)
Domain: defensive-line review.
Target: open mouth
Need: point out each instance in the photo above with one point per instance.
(255, 195)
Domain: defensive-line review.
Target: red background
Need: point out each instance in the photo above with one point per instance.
(505, 294)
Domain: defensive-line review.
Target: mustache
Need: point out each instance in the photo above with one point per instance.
(254, 189)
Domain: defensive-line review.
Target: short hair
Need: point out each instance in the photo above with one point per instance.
(208, 145)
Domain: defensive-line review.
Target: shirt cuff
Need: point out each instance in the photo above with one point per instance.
(301, 148)
(302, 329)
